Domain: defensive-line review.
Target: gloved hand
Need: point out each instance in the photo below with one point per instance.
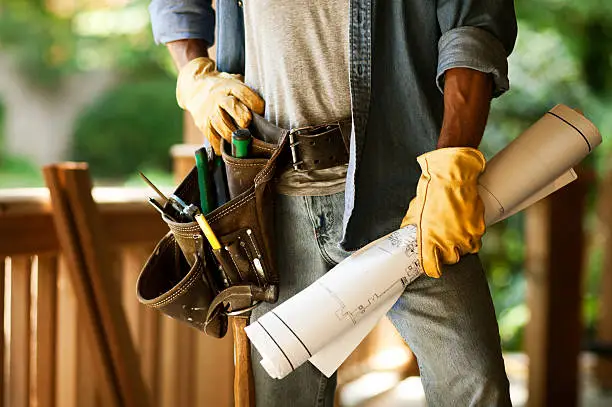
(447, 210)
(218, 101)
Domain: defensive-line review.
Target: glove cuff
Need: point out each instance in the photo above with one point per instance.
(453, 164)
(194, 70)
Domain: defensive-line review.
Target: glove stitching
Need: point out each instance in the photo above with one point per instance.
(420, 229)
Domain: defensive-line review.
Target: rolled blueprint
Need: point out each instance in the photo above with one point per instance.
(541, 154)
(326, 321)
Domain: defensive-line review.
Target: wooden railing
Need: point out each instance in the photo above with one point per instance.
(44, 354)
(45, 357)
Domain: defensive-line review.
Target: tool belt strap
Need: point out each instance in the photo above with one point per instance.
(312, 147)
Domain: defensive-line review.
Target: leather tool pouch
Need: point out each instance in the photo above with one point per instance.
(185, 279)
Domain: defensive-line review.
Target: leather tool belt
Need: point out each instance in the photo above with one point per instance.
(312, 147)
(188, 280)
(319, 147)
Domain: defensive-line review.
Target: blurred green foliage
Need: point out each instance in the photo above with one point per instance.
(48, 47)
(132, 127)
(1, 128)
(42, 42)
(17, 172)
(563, 55)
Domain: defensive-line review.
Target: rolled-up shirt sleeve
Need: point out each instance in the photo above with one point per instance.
(174, 20)
(476, 34)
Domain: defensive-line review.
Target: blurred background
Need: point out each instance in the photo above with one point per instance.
(83, 80)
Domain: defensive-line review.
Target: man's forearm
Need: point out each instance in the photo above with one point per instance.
(183, 51)
(467, 98)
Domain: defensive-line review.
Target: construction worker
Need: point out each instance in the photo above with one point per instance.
(414, 80)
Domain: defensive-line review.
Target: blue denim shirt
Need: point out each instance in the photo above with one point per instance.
(399, 51)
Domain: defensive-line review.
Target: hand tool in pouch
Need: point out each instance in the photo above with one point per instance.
(176, 203)
(201, 158)
(241, 141)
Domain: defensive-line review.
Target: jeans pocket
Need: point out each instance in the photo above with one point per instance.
(326, 214)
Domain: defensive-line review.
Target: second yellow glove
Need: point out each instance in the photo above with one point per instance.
(447, 211)
(217, 101)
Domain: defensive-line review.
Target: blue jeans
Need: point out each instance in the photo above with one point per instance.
(449, 323)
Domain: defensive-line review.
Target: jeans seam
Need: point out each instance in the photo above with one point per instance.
(326, 257)
(321, 391)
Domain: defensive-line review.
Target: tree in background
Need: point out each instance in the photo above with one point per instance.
(53, 66)
(562, 56)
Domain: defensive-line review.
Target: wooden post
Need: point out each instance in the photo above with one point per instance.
(44, 361)
(71, 249)
(66, 349)
(183, 160)
(19, 349)
(82, 234)
(554, 244)
(2, 344)
(95, 249)
(87, 383)
(191, 134)
(603, 364)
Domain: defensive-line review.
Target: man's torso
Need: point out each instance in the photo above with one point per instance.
(296, 58)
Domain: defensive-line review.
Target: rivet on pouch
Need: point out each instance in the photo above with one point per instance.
(258, 266)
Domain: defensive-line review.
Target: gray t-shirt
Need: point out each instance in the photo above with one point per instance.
(297, 59)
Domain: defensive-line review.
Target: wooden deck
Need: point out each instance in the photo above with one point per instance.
(47, 355)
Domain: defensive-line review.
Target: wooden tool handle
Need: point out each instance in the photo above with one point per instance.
(244, 387)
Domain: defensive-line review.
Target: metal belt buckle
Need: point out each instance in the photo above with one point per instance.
(294, 153)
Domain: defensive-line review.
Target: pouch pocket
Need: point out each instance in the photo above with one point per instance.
(189, 238)
(241, 172)
(168, 283)
(243, 226)
(240, 256)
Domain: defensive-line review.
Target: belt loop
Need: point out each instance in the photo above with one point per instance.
(294, 153)
(346, 138)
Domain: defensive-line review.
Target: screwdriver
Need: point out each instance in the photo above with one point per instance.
(201, 158)
(241, 141)
(177, 203)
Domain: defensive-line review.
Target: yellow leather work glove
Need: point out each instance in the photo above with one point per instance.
(217, 101)
(447, 211)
